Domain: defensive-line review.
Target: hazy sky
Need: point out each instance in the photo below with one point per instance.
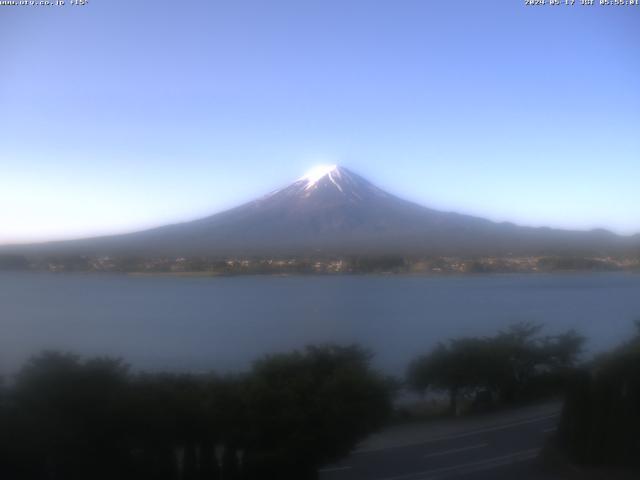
(126, 114)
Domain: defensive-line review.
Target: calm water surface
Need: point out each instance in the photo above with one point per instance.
(224, 323)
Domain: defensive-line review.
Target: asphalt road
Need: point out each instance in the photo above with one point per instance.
(500, 446)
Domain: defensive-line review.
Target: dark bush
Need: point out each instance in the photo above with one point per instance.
(601, 417)
(68, 418)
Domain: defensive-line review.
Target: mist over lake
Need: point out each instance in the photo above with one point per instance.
(222, 324)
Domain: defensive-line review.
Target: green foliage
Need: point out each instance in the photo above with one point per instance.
(601, 416)
(312, 407)
(71, 418)
(505, 365)
(62, 414)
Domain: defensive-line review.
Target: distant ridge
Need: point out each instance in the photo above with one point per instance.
(334, 211)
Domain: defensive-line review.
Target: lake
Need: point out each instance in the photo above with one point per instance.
(201, 324)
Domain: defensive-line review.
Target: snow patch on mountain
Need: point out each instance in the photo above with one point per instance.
(317, 173)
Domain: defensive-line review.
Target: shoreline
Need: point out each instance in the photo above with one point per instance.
(209, 274)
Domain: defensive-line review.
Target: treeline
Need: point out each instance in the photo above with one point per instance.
(63, 417)
(66, 418)
(601, 417)
(517, 364)
(551, 264)
(199, 264)
(319, 264)
(13, 262)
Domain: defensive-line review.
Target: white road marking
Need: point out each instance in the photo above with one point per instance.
(459, 435)
(471, 467)
(456, 450)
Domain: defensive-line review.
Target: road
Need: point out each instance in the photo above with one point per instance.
(496, 446)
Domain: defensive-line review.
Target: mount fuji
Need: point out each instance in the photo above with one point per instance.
(334, 211)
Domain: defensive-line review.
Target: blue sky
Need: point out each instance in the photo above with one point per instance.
(122, 115)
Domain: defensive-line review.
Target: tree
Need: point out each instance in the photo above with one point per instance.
(66, 416)
(69, 418)
(459, 367)
(309, 408)
(505, 365)
(601, 416)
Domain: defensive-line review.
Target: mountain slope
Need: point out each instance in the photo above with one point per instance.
(335, 211)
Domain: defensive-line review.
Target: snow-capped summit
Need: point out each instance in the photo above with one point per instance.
(324, 182)
(330, 174)
(318, 172)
